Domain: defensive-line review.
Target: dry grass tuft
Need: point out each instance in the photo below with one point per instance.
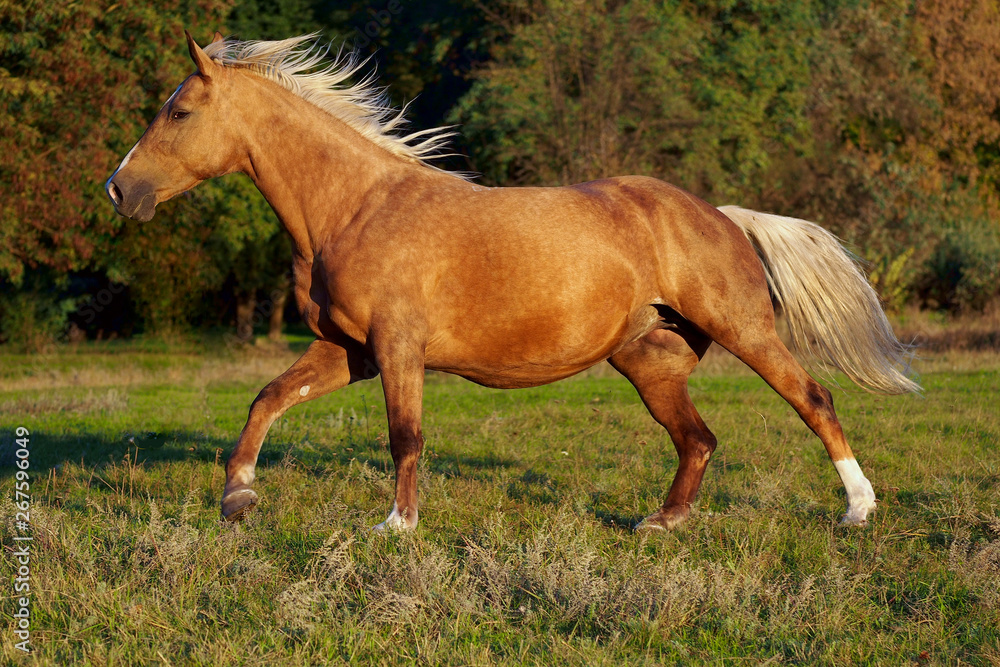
(112, 400)
(938, 332)
(977, 565)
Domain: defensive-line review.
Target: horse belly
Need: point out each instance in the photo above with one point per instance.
(537, 349)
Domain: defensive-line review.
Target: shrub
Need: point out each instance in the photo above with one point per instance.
(34, 316)
(963, 271)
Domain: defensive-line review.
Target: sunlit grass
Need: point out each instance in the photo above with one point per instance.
(524, 553)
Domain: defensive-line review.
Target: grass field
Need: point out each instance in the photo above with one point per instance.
(524, 554)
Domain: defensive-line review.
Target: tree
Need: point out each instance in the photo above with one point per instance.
(423, 52)
(76, 81)
(703, 97)
(905, 109)
(878, 120)
(248, 247)
(272, 19)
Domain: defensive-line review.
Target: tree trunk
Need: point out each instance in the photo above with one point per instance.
(278, 297)
(246, 304)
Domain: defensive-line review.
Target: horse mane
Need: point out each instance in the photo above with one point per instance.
(299, 64)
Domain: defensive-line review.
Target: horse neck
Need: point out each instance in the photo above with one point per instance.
(312, 168)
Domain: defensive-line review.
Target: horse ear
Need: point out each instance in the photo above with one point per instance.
(218, 37)
(200, 58)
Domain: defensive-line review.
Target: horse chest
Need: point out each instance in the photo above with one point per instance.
(337, 298)
(317, 298)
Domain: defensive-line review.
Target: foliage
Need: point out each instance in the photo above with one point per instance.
(963, 272)
(876, 120)
(572, 94)
(881, 121)
(271, 19)
(34, 318)
(707, 97)
(76, 80)
(423, 51)
(76, 100)
(889, 277)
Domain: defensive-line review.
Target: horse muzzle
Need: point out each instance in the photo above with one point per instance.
(133, 199)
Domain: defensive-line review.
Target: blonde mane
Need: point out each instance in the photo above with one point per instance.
(299, 64)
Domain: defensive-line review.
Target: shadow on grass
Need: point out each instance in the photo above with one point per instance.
(623, 523)
(615, 520)
(98, 449)
(106, 460)
(102, 448)
(482, 468)
(533, 487)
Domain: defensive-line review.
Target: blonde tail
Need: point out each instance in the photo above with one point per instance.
(831, 309)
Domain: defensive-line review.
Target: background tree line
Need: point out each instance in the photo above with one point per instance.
(880, 120)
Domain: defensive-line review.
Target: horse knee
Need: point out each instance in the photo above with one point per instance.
(698, 447)
(405, 445)
(705, 446)
(271, 401)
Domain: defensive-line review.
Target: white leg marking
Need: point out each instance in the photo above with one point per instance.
(860, 495)
(242, 476)
(396, 521)
(304, 390)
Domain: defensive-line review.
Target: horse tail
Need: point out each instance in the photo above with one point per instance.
(832, 310)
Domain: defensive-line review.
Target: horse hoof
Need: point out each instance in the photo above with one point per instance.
(857, 513)
(854, 519)
(666, 519)
(397, 522)
(389, 526)
(236, 504)
(648, 526)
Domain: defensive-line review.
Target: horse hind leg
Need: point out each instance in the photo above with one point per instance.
(658, 366)
(814, 403)
(760, 348)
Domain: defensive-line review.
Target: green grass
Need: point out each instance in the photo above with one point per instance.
(524, 554)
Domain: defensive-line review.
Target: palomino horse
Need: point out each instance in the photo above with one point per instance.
(401, 267)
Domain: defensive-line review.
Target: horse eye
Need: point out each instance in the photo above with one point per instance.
(179, 115)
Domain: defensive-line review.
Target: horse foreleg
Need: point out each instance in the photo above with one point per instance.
(658, 366)
(402, 368)
(324, 367)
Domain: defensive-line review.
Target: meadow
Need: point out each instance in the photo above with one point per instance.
(524, 553)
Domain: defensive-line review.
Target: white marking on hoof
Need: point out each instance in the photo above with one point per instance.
(397, 522)
(304, 390)
(853, 519)
(860, 495)
(644, 526)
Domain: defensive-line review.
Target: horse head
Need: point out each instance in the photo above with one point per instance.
(190, 140)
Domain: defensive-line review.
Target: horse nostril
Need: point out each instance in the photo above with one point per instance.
(115, 194)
